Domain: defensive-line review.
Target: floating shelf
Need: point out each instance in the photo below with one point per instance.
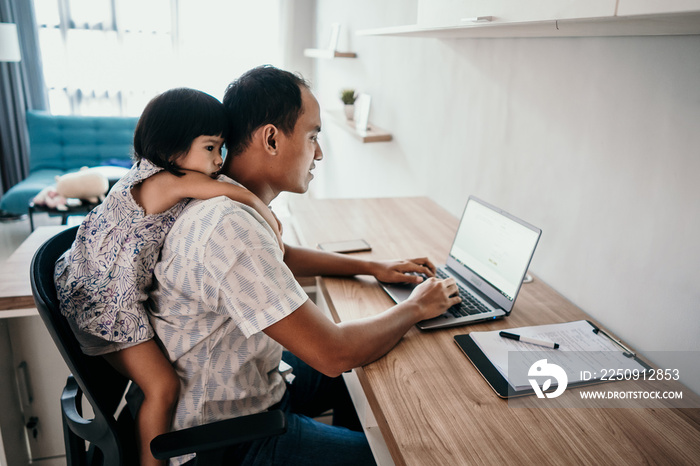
(373, 134)
(328, 53)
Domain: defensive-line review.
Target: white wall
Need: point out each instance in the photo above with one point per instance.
(595, 140)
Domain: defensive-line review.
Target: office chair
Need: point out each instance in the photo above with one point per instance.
(112, 442)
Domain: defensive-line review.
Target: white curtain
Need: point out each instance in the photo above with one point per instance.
(109, 57)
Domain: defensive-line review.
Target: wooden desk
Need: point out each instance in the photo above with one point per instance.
(15, 288)
(431, 404)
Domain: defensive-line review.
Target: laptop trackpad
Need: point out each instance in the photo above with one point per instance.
(399, 292)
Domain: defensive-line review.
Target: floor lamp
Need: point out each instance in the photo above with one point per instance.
(9, 45)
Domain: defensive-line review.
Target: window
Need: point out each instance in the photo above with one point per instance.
(110, 57)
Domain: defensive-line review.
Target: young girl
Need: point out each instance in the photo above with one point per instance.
(103, 280)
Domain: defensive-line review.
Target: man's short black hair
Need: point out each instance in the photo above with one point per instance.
(172, 120)
(261, 96)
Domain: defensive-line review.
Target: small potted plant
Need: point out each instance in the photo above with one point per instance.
(348, 98)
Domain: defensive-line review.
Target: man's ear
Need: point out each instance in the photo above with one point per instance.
(270, 137)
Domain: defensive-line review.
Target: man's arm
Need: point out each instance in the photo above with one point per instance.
(305, 262)
(335, 348)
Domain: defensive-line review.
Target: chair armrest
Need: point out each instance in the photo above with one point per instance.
(69, 402)
(220, 434)
(72, 415)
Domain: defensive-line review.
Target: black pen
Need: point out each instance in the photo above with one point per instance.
(532, 341)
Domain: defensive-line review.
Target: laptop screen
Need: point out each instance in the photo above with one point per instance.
(495, 246)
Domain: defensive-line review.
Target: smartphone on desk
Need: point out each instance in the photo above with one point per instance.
(345, 247)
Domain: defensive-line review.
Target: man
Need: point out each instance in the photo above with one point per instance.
(226, 300)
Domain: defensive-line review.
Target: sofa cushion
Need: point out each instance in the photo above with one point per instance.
(68, 142)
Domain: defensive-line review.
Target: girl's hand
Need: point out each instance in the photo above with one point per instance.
(274, 222)
(278, 230)
(269, 217)
(402, 271)
(435, 296)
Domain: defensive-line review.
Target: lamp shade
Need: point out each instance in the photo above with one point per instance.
(9, 45)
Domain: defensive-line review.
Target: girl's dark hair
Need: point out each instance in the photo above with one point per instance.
(172, 120)
(261, 96)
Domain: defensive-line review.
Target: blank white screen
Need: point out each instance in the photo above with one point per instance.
(497, 248)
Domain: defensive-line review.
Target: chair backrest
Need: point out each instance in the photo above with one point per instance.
(102, 386)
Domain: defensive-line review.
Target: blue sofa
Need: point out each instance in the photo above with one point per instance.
(61, 144)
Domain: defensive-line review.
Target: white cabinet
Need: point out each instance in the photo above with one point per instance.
(656, 7)
(12, 437)
(41, 375)
(452, 19)
(32, 376)
(448, 13)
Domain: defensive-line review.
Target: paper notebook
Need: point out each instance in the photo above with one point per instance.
(585, 353)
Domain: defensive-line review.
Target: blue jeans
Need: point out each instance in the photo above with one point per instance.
(309, 442)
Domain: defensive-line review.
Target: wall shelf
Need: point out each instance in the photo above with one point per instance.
(328, 53)
(373, 134)
(642, 25)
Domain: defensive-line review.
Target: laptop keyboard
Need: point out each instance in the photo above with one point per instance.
(468, 306)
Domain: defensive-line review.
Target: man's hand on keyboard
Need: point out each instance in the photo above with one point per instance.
(435, 296)
(406, 271)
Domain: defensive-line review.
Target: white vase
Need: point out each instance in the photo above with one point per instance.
(349, 111)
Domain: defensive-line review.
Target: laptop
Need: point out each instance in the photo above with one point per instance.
(489, 259)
